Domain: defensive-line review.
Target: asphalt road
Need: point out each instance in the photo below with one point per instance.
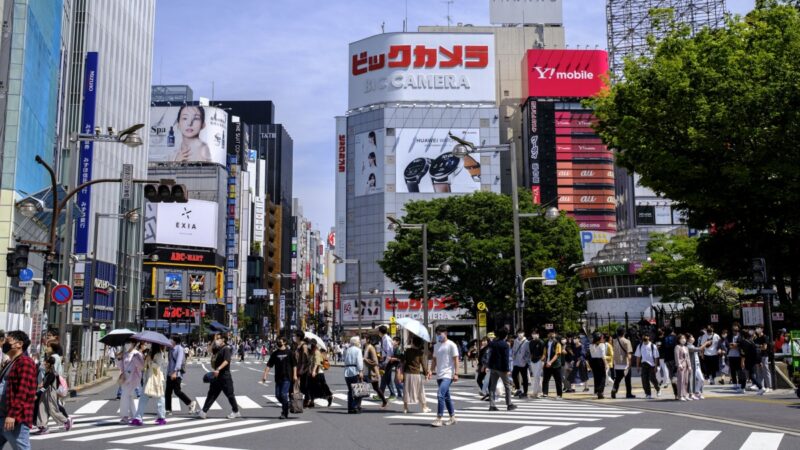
(576, 423)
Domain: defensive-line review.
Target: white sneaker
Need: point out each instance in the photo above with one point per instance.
(752, 387)
(649, 397)
(452, 421)
(426, 410)
(658, 394)
(700, 397)
(690, 398)
(761, 391)
(437, 422)
(768, 390)
(683, 399)
(193, 407)
(235, 415)
(201, 414)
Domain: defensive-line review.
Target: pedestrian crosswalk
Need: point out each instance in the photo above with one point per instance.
(602, 439)
(181, 433)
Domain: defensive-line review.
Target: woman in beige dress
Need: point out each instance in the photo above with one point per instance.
(371, 363)
(413, 377)
(683, 368)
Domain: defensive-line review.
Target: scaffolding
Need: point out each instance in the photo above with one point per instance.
(630, 22)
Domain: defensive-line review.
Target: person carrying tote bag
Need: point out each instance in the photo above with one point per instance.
(154, 385)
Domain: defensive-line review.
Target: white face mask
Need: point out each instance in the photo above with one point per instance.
(521, 335)
(128, 347)
(682, 341)
(536, 336)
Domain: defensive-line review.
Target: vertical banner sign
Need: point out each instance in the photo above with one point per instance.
(86, 153)
(341, 197)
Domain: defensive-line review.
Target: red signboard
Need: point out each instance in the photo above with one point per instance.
(337, 295)
(537, 194)
(421, 56)
(179, 312)
(565, 73)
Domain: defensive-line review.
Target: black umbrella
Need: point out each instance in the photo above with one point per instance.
(218, 327)
(117, 337)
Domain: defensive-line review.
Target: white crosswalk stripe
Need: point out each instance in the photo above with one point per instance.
(630, 439)
(502, 439)
(213, 436)
(694, 440)
(92, 407)
(214, 406)
(566, 439)
(762, 441)
(244, 402)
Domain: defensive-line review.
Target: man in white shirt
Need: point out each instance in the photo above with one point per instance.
(387, 351)
(710, 361)
(445, 363)
(647, 357)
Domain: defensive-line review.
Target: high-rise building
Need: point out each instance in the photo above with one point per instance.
(32, 51)
(630, 23)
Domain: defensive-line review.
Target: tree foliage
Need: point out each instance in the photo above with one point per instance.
(474, 234)
(712, 121)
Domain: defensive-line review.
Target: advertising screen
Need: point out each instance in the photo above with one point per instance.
(188, 134)
(564, 73)
(197, 283)
(369, 162)
(439, 67)
(191, 224)
(425, 162)
(173, 281)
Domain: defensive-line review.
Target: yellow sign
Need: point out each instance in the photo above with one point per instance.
(392, 320)
(392, 329)
(481, 319)
(481, 306)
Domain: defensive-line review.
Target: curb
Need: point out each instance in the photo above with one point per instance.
(85, 386)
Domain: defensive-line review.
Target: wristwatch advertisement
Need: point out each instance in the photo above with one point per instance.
(443, 171)
(473, 167)
(414, 172)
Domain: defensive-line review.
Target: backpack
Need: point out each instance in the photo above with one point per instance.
(63, 389)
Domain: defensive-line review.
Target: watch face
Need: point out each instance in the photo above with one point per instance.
(416, 168)
(444, 165)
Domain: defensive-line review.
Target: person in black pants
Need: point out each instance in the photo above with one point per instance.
(177, 357)
(597, 362)
(222, 381)
(482, 365)
(622, 350)
(552, 365)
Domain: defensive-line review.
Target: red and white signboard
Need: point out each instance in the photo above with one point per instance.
(565, 73)
(436, 67)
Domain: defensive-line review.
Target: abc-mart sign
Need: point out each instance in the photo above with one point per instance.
(422, 67)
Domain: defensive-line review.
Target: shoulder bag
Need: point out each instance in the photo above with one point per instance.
(361, 389)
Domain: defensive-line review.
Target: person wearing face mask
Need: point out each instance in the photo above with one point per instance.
(130, 364)
(222, 380)
(647, 357)
(552, 365)
(536, 348)
(499, 369)
(17, 391)
(683, 368)
(735, 357)
(765, 349)
(521, 354)
(622, 363)
(750, 360)
(710, 355)
(445, 363)
(694, 356)
(597, 361)
(155, 385)
(3, 356)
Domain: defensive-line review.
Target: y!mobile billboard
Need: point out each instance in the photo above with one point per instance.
(431, 67)
(564, 73)
(188, 133)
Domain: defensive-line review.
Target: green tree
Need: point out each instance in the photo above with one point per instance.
(474, 234)
(711, 120)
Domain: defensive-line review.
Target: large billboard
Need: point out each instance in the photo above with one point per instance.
(430, 67)
(188, 133)
(564, 73)
(341, 197)
(425, 162)
(549, 12)
(191, 224)
(369, 162)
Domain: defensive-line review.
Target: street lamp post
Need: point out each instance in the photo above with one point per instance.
(462, 149)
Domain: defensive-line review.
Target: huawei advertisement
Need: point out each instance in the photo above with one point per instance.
(425, 162)
(188, 133)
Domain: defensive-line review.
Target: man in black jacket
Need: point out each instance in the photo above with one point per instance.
(536, 346)
(499, 356)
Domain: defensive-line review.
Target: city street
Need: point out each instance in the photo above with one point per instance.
(536, 424)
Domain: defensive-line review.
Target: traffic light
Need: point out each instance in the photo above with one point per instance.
(759, 271)
(18, 260)
(166, 193)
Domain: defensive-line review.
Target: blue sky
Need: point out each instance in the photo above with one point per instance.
(294, 52)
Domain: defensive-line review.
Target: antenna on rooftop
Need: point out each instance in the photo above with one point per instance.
(449, 18)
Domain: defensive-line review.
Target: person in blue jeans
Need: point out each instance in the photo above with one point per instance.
(396, 362)
(445, 363)
(353, 368)
(282, 359)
